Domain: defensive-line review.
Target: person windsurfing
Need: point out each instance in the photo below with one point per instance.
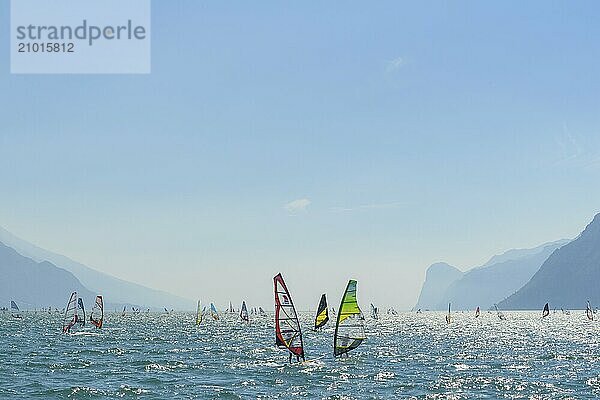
(67, 328)
(546, 311)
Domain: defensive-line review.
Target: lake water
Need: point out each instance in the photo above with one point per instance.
(153, 356)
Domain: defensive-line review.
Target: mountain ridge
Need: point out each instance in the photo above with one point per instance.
(118, 290)
(567, 279)
(35, 285)
(486, 284)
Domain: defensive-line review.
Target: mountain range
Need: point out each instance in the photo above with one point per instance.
(35, 284)
(20, 259)
(485, 285)
(567, 279)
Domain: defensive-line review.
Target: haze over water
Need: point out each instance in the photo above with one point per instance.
(159, 356)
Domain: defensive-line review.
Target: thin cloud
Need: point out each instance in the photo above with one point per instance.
(372, 206)
(574, 153)
(395, 64)
(297, 206)
(570, 148)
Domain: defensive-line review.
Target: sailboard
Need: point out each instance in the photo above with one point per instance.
(230, 309)
(97, 313)
(448, 317)
(213, 312)
(70, 317)
(322, 313)
(14, 309)
(546, 311)
(350, 325)
(244, 312)
(589, 312)
(374, 312)
(477, 312)
(288, 333)
(124, 310)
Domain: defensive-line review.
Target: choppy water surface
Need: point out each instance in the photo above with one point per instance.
(406, 356)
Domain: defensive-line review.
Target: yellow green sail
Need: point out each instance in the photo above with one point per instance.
(350, 326)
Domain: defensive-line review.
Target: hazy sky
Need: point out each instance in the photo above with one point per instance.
(327, 141)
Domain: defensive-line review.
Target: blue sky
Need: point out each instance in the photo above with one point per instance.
(403, 134)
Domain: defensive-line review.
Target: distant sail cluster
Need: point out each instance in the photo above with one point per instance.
(349, 327)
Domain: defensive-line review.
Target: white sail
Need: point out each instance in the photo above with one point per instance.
(97, 314)
(14, 308)
(70, 317)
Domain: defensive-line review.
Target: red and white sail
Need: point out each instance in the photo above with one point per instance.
(287, 327)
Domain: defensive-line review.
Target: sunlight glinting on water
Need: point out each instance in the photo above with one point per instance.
(157, 356)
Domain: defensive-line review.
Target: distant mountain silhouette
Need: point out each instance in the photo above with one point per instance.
(35, 285)
(438, 278)
(115, 290)
(515, 254)
(568, 278)
(485, 285)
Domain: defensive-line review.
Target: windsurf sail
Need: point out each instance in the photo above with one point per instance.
(244, 312)
(500, 315)
(230, 309)
(322, 313)
(546, 311)
(124, 309)
(97, 314)
(70, 318)
(589, 312)
(14, 309)
(80, 311)
(477, 312)
(213, 312)
(448, 317)
(199, 313)
(374, 312)
(261, 311)
(287, 327)
(350, 325)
